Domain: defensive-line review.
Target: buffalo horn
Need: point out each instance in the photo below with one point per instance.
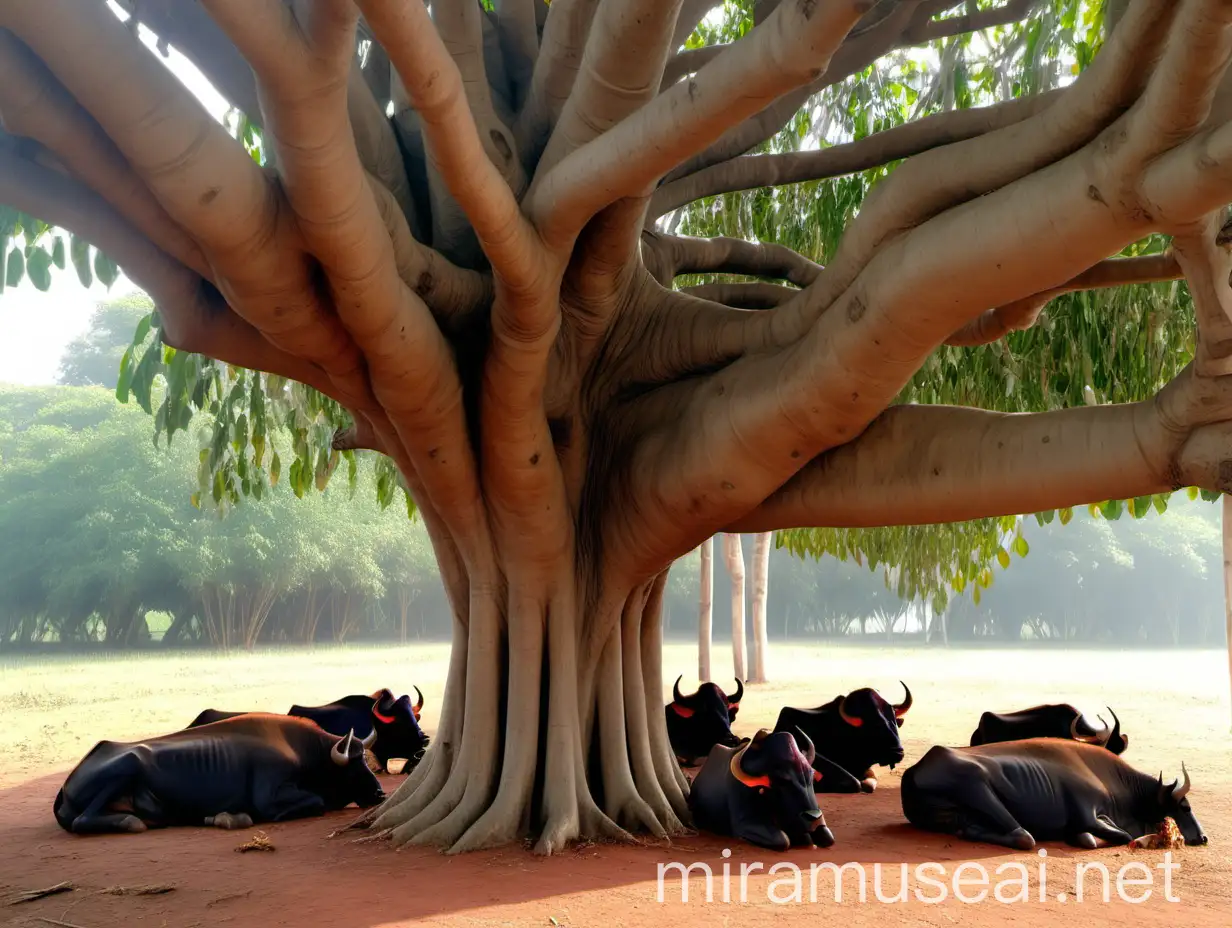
(737, 771)
(901, 709)
(341, 753)
(418, 705)
(369, 741)
(1085, 739)
(676, 697)
(810, 752)
(738, 695)
(852, 720)
(1116, 726)
(1180, 792)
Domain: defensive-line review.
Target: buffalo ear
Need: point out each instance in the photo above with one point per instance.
(899, 722)
(683, 711)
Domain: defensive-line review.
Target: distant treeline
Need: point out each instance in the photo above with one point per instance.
(101, 547)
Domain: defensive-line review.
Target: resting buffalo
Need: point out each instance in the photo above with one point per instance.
(394, 721)
(229, 774)
(852, 734)
(761, 793)
(698, 722)
(1017, 792)
(1056, 721)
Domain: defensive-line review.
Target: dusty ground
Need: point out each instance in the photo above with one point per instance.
(54, 711)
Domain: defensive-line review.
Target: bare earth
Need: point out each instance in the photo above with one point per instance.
(53, 711)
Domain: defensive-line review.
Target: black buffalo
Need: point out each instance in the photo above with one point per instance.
(698, 722)
(761, 793)
(394, 722)
(1043, 789)
(228, 774)
(1054, 721)
(852, 733)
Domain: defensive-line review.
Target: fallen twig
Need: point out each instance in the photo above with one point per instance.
(33, 894)
(57, 922)
(156, 889)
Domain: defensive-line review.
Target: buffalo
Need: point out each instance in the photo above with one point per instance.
(698, 722)
(227, 774)
(1042, 789)
(395, 722)
(1053, 721)
(761, 792)
(852, 733)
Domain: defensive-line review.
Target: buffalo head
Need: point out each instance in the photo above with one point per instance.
(876, 722)
(697, 722)
(1110, 738)
(774, 766)
(396, 723)
(1170, 801)
(351, 781)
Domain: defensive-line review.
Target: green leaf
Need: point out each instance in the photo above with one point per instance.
(275, 469)
(1112, 510)
(1003, 557)
(57, 253)
(1192, 492)
(143, 329)
(1160, 502)
(79, 252)
(126, 376)
(143, 378)
(1065, 515)
(1021, 548)
(9, 219)
(15, 268)
(105, 269)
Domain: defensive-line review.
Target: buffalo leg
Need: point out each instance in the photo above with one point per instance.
(762, 835)
(948, 793)
(292, 802)
(1101, 830)
(228, 821)
(868, 781)
(116, 775)
(1002, 827)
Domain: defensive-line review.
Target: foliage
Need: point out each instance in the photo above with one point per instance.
(96, 529)
(93, 359)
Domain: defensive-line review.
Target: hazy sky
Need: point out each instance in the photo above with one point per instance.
(35, 327)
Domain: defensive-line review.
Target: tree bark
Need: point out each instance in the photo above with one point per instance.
(1227, 578)
(733, 552)
(761, 591)
(705, 618)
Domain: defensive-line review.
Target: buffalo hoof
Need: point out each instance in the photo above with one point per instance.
(1085, 840)
(1021, 839)
(822, 837)
(868, 784)
(132, 825)
(229, 822)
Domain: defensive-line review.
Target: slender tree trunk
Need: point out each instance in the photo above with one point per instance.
(761, 590)
(733, 551)
(1227, 577)
(705, 618)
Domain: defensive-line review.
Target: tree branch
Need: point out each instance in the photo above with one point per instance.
(201, 176)
(34, 104)
(877, 33)
(942, 178)
(186, 26)
(688, 61)
(195, 317)
(918, 465)
(519, 39)
(1022, 314)
(560, 57)
(375, 140)
(784, 52)
(775, 170)
(929, 29)
(682, 255)
(744, 295)
(621, 69)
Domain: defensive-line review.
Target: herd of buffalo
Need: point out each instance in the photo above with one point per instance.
(1044, 773)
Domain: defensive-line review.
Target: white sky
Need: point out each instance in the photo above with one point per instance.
(35, 327)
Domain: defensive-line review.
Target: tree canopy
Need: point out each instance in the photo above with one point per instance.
(601, 278)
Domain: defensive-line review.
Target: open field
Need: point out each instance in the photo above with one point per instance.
(1174, 706)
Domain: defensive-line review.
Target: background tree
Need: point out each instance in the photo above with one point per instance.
(478, 287)
(93, 359)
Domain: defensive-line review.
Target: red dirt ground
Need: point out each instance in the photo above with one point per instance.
(310, 881)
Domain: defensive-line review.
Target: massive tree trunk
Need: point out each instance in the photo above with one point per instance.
(733, 553)
(761, 592)
(480, 284)
(705, 604)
